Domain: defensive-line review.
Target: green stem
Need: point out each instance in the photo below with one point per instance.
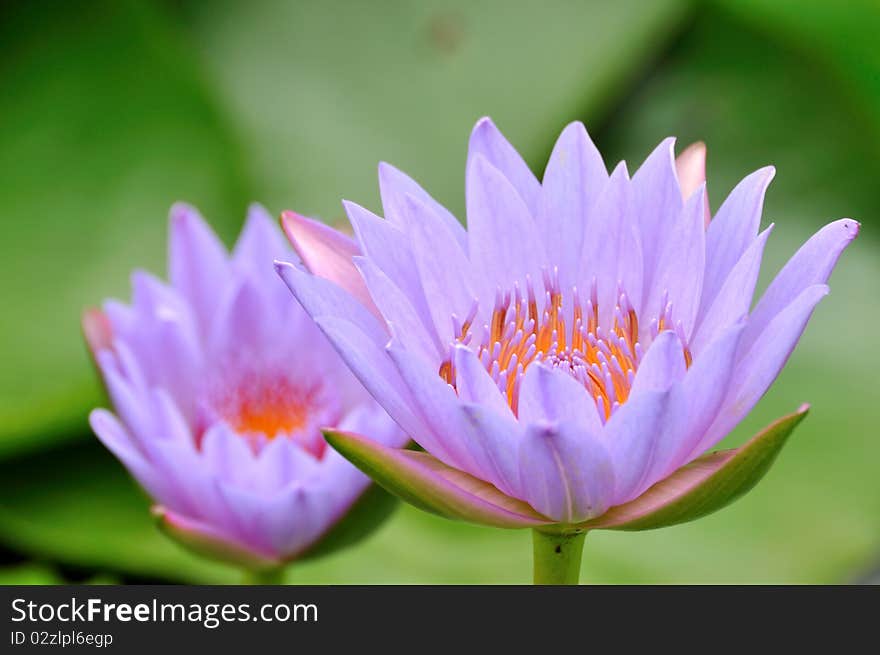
(557, 557)
(263, 576)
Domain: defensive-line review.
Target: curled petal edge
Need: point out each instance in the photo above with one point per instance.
(427, 483)
(702, 487)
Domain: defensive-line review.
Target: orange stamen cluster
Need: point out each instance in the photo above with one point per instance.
(266, 407)
(604, 361)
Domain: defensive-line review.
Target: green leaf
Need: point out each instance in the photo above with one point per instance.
(29, 574)
(104, 123)
(703, 486)
(78, 506)
(427, 483)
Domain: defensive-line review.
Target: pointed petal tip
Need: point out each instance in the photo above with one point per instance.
(182, 212)
(97, 329)
(483, 123)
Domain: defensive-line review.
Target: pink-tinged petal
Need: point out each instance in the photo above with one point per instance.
(505, 245)
(395, 186)
(429, 484)
(694, 403)
(680, 265)
(442, 266)
(198, 265)
(704, 486)
(320, 297)
(97, 330)
(398, 311)
(631, 436)
(733, 300)
(657, 198)
(761, 363)
(327, 253)
(369, 362)
(690, 166)
(612, 253)
(811, 264)
(732, 231)
(389, 248)
(566, 473)
(662, 365)
(486, 140)
(551, 396)
(573, 180)
(204, 540)
(474, 384)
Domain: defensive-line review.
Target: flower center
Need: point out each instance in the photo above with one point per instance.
(603, 359)
(261, 407)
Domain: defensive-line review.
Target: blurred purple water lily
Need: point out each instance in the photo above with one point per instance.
(221, 385)
(565, 358)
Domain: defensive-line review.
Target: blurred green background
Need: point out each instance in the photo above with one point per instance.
(110, 111)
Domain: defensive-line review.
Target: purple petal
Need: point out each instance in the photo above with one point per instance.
(197, 262)
(389, 248)
(762, 362)
(573, 180)
(657, 198)
(368, 361)
(259, 243)
(810, 265)
(611, 251)
(498, 436)
(442, 267)
(475, 385)
(294, 520)
(398, 312)
(552, 396)
(395, 186)
(565, 472)
(733, 300)
(732, 231)
(117, 440)
(437, 406)
(680, 263)
(694, 403)
(631, 436)
(661, 366)
(505, 245)
(486, 140)
(320, 297)
(242, 318)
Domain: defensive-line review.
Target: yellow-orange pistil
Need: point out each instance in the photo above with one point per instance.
(603, 360)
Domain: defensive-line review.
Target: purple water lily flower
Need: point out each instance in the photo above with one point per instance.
(221, 385)
(564, 358)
